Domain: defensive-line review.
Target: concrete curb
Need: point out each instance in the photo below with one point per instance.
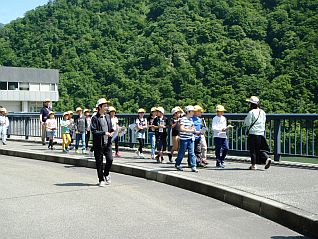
(293, 218)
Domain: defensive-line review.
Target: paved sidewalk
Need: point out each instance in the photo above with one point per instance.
(296, 187)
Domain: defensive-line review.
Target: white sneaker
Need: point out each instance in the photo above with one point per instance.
(102, 184)
(268, 163)
(138, 153)
(108, 179)
(77, 151)
(83, 151)
(142, 155)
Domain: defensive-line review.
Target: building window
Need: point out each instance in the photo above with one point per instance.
(3, 85)
(13, 85)
(24, 86)
(35, 106)
(34, 87)
(53, 87)
(45, 87)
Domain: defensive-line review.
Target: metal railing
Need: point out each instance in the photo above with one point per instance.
(287, 134)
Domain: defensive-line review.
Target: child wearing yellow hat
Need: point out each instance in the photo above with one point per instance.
(51, 125)
(152, 131)
(141, 125)
(65, 131)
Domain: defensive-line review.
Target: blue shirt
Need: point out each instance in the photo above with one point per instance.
(198, 126)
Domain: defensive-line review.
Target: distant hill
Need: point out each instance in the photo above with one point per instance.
(163, 52)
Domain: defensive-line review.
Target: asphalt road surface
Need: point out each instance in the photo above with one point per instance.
(48, 200)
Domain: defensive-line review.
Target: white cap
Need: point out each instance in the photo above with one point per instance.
(161, 109)
(189, 108)
(174, 110)
(253, 99)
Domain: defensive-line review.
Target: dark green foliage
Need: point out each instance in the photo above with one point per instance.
(142, 53)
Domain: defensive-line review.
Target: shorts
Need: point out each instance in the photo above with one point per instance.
(50, 134)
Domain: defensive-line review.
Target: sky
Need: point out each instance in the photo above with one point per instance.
(12, 9)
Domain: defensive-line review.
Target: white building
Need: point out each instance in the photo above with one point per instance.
(24, 89)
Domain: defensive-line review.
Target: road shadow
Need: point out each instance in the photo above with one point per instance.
(76, 184)
(289, 237)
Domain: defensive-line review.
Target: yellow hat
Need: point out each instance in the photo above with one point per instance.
(70, 112)
(87, 110)
(95, 110)
(66, 113)
(141, 110)
(102, 101)
(220, 108)
(111, 108)
(78, 109)
(51, 113)
(2, 109)
(161, 109)
(153, 109)
(198, 108)
(179, 109)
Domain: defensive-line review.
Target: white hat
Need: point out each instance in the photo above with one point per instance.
(253, 99)
(102, 101)
(220, 108)
(189, 108)
(174, 110)
(161, 109)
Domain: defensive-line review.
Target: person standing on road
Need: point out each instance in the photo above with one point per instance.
(255, 121)
(51, 127)
(161, 124)
(87, 113)
(44, 115)
(141, 125)
(102, 131)
(175, 128)
(65, 131)
(4, 124)
(81, 127)
(116, 127)
(187, 131)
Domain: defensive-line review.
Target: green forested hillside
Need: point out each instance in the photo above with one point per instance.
(164, 52)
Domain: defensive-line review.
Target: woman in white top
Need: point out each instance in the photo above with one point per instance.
(4, 124)
(255, 121)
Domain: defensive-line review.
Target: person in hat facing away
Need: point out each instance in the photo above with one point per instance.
(152, 131)
(65, 131)
(44, 115)
(4, 124)
(175, 129)
(141, 125)
(187, 131)
(255, 121)
(161, 124)
(51, 126)
(220, 128)
(114, 119)
(81, 128)
(102, 131)
(87, 113)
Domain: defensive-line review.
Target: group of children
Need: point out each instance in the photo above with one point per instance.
(188, 129)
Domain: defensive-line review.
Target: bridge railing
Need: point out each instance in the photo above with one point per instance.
(287, 134)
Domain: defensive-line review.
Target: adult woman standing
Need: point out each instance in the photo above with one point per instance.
(255, 121)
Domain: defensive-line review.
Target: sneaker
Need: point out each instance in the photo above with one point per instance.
(102, 184)
(170, 158)
(83, 151)
(268, 163)
(201, 165)
(252, 167)
(108, 179)
(117, 154)
(138, 153)
(141, 155)
(162, 159)
(77, 151)
(205, 162)
(222, 165)
(91, 154)
(65, 151)
(43, 143)
(152, 156)
(179, 168)
(157, 158)
(194, 170)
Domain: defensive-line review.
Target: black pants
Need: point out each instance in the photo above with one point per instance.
(98, 153)
(258, 149)
(87, 136)
(197, 150)
(116, 141)
(141, 144)
(161, 139)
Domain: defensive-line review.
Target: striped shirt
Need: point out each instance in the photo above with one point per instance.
(187, 123)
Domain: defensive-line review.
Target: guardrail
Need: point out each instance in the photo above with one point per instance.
(287, 134)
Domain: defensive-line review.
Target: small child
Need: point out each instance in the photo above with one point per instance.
(51, 125)
(87, 113)
(161, 124)
(198, 124)
(72, 128)
(81, 127)
(4, 124)
(141, 125)
(219, 127)
(152, 131)
(114, 120)
(65, 130)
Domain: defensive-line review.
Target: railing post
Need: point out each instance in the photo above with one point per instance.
(26, 127)
(277, 143)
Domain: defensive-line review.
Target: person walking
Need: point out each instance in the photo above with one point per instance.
(187, 131)
(44, 115)
(141, 125)
(81, 128)
(220, 128)
(152, 131)
(102, 131)
(255, 121)
(4, 124)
